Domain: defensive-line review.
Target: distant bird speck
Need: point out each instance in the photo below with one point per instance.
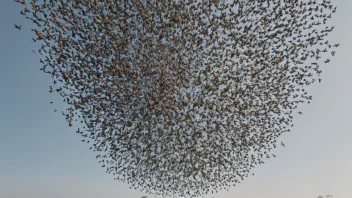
(18, 26)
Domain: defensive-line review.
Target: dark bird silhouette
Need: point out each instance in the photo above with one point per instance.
(18, 26)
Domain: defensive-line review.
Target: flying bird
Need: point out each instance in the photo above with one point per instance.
(18, 26)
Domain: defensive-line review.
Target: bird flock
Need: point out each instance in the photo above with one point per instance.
(182, 98)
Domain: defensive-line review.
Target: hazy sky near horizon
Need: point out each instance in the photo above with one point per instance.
(42, 157)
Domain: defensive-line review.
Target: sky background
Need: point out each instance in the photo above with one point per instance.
(42, 157)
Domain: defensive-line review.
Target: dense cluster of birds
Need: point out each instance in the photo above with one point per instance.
(181, 97)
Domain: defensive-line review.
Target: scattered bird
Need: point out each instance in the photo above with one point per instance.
(18, 26)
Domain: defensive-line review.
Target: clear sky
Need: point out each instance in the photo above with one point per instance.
(41, 157)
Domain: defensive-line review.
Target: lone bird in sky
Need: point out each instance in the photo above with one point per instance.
(18, 26)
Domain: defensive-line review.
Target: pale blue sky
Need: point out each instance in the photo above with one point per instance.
(41, 157)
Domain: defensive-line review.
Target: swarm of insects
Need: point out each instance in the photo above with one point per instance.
(179, 97)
